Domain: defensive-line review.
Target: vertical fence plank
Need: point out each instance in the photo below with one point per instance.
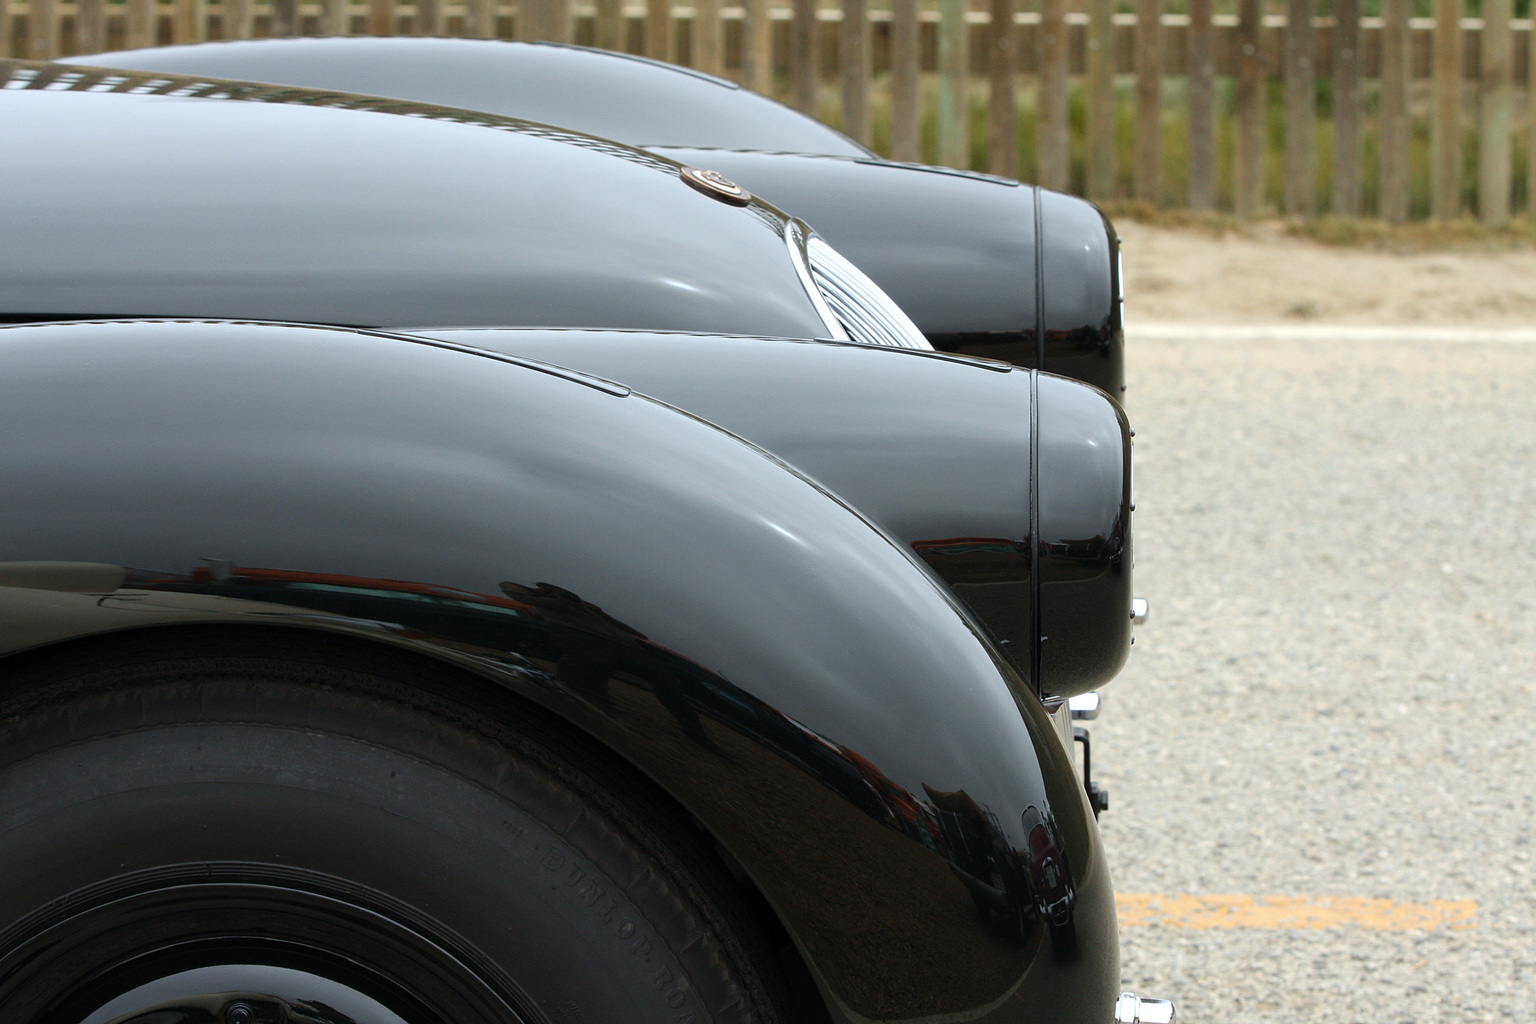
(1300, 114)
(1530, 115)
(1493, 162)
(43, 30)
(1346, 108)
(757, 62)
(803, 63)
(658, 29)
(543, 20)
(1101, 98)
(562, 23)
(429, 16)
(1248, 183)
(479, 19)
(608, 26)
(335, 18)
(1052, 150)
(139, 25)
(1003, 110)
(708, 37)
(189, 22)
(1202, 106)
(1445, 124)
(5, 29)
(235, 16)
(90, 26)
(285, 16)
(1149, 101)
(854, 59)
(1394, 110)
(381, 17)
(954, 134)
(905, 133)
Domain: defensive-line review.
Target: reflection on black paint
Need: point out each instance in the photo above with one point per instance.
(1050, 877)
(579, 653)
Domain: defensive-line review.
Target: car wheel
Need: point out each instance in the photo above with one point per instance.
(257, 836)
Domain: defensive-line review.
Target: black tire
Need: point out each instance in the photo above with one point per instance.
(227, 821)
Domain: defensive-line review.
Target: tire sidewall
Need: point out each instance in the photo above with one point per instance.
(492, 849)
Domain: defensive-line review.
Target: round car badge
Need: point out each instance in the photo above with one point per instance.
(716, 186)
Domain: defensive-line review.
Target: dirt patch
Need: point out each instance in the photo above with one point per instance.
(1264, 275)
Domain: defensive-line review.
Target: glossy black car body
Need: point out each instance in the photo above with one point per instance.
(982, 265)
(736, 629)
(158, 195)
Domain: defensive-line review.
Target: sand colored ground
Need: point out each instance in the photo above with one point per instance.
(1265, 276)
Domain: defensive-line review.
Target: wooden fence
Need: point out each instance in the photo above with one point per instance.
(1249, 110)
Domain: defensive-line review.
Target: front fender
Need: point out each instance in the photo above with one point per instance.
(747, 640)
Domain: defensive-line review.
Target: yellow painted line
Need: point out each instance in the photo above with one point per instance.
(1137, 910)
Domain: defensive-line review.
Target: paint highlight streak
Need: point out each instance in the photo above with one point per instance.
(1138, 910)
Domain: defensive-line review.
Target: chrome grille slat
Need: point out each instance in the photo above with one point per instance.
(866, 313)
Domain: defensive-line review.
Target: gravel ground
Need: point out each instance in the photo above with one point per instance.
(1190, 277)
(1336, 693)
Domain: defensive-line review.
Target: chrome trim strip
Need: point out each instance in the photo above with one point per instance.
(796, 236)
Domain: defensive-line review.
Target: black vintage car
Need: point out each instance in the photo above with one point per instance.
(442, 659)
(982, 264)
